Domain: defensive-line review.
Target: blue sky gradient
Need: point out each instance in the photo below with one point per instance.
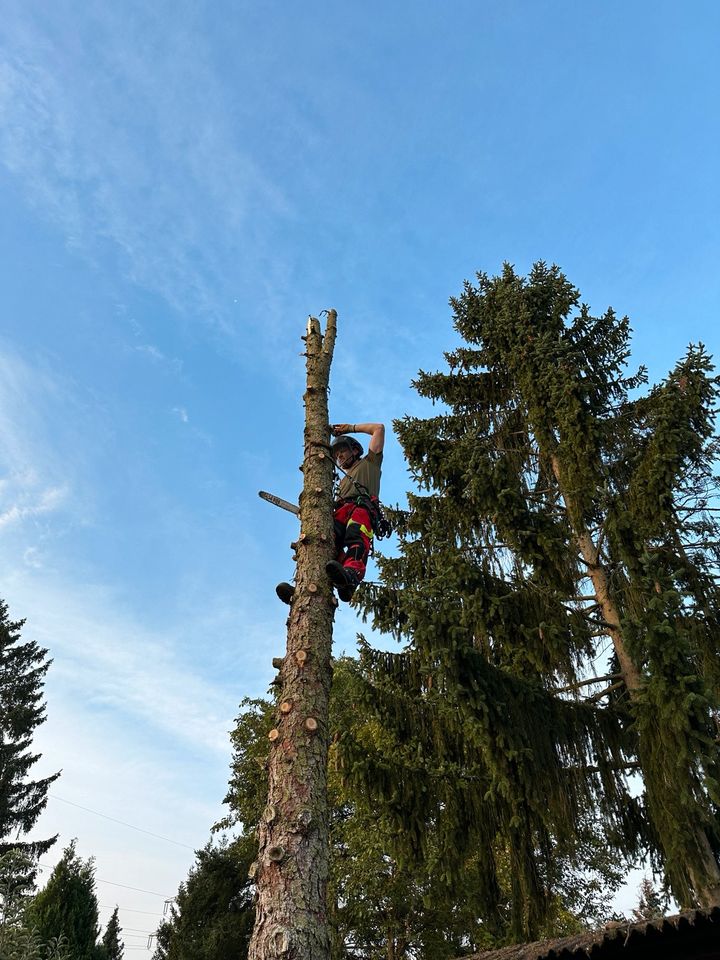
(180, 186)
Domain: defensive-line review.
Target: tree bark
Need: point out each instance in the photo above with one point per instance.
(599, 578)
(291, 870)
(707, 886)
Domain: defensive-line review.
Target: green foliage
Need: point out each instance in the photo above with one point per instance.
(543, 466)
(213, 914)
(652, 904)
(112, 946)
(384, 904)
(23, 666)
(67, 907)
(18, 940)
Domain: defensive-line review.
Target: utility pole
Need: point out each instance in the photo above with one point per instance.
(291, 870)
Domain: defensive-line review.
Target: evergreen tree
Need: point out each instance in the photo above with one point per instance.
(18, 940)
(23, 666)
(67, 906)
(113, 947)
(381, 906)
(651, 903)
(558, 513)
(213, 914)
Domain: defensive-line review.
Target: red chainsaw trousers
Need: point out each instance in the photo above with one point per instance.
(353, 537)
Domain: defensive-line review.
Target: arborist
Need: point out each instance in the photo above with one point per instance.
(356, 511)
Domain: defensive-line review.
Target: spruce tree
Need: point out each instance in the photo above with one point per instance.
(67, 906)
(559, 514)
(18, 940)
(213, 914)
(652, 904)
(113, 947)
(23, 665)
(378, 904)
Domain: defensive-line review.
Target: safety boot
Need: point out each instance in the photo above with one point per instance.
(344, 580)
(286, 592)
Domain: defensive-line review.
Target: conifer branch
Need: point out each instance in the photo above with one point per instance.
(605, 692)
(631, 765)
(585, 683)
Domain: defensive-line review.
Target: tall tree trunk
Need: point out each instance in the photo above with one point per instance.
(707, 883)
(601, 583)
(291, 871)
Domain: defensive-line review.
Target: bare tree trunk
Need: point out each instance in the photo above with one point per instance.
(707, 887)
(291, 871)
(598, 576)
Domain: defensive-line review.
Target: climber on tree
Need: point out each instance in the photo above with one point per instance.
(355, 512)
(356, 507)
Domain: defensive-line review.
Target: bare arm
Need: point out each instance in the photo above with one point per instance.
(376, 431)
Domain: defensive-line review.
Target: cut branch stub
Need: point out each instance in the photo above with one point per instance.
(281, 942)
(274, 734)
(301, 656)
(311, 724)
(285, 706)
(276, 853)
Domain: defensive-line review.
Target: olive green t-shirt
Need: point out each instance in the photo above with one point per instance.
(365, 472)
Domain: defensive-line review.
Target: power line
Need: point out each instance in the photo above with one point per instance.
(153, 893)
(112, 883)
(107, 906)
(124, 823)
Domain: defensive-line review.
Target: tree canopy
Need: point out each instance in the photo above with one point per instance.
(67, 907)
(112, 945)
(383, 904)
(562, 522)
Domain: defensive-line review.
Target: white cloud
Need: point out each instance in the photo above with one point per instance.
(113, 662)
(33, 558)
(37, 480)
(29, 503)
(166, 183)
(181, 413)
(156, 355)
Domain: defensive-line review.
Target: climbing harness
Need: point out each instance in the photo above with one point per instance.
(381, 526)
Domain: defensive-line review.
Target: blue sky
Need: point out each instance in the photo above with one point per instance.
(180, 186)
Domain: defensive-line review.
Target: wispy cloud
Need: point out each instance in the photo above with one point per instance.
(35, 481)
(167, 185)
(112, 666)
(29, 503)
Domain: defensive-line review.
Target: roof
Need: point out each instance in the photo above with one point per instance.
(693, 934)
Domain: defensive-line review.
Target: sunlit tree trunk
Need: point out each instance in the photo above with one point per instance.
(291, 871)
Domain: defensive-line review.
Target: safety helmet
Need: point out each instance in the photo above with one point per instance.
(345, 441)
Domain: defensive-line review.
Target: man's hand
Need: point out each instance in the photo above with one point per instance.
(338, 428)
(376, 431)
